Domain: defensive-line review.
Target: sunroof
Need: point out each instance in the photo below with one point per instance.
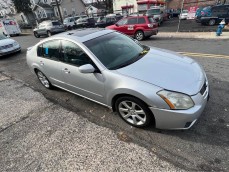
(81, 33)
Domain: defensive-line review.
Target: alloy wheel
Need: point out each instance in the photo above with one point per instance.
(139, 35)
(132, 112)
(43, 79)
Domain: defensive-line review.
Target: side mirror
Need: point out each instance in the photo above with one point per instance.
(87, 68)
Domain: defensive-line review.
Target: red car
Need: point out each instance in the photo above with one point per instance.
(139, 27)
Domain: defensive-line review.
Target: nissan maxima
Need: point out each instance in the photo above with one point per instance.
(144, 85)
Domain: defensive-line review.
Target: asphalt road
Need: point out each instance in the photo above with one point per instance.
(204, 147)
(171, 25)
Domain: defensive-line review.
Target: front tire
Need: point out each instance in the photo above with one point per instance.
(36, 35)
(134, 112)
(44, 80)
(139, 35)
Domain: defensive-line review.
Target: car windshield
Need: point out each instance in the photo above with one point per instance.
(116, 50)
(206, 8)
(185, 11)
(104, 19)
(153, 11)
(151, 20)
(2, 37)
(66, 20)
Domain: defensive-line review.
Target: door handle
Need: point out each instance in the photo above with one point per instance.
(41, 63)
(66, 70)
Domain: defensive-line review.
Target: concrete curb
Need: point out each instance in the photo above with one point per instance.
(193, 35)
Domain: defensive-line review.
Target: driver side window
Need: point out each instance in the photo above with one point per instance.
(73, 54)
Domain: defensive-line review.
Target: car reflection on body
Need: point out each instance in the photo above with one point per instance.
(145, 85)
(8, 46)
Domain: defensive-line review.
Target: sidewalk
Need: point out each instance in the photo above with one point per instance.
(37, 135)
(192, 35)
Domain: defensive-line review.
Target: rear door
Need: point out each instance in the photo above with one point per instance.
(131, 25)
(48, 60)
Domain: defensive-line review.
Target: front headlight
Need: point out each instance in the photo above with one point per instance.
(15, 44)
(176, 100)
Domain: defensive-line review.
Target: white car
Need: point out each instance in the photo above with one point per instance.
(8, 46)
(184, 15)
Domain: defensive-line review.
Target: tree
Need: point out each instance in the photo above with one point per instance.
(22, 6)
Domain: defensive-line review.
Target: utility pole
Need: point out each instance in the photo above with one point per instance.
(58, 7)
(182, 6)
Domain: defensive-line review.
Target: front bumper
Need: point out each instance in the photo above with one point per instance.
(10, 51)
(181, 119)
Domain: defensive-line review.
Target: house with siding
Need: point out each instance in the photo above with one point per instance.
(47, 9)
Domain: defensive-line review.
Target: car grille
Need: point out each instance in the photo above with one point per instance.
(6, 46)
(203, 89)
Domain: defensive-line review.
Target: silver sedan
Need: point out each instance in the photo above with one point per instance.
(145, 85)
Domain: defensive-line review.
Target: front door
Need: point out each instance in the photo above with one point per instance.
(121, 26)
(89, 85)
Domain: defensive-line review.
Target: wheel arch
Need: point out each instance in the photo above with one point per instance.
(116, 97)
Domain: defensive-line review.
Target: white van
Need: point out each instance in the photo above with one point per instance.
(158, 13)
(9, 27)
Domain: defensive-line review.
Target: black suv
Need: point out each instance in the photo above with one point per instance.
(106, 21)
(215, 15)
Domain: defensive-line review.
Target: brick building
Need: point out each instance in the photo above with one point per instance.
(176, 4)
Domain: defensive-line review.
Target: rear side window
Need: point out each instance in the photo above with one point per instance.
(49, 50)
(141, 20)
(132, 21)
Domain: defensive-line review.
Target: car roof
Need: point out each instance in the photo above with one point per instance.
(83, 35)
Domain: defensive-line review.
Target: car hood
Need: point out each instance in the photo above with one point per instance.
(6, 41)
(167, 70)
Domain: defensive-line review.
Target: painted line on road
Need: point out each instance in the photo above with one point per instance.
(204, 55)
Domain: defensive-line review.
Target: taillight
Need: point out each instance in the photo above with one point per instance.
(150, 25)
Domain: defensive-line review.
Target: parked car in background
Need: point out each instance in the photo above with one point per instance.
(139, 27)
(48, 28)
(158, 13)
(106, 21)
(8, 46)
(100, 18)
(183, 15)
(89, 22)
(69, 23)
(140, 83)
(206, 11)
(9, 27)
(81, 21)
(215, 15)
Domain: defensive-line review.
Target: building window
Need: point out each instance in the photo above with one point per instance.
(45, 1)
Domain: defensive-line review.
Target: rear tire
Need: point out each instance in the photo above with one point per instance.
(139, 35)
(134, 111)
(43, 79)
(211, 22)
